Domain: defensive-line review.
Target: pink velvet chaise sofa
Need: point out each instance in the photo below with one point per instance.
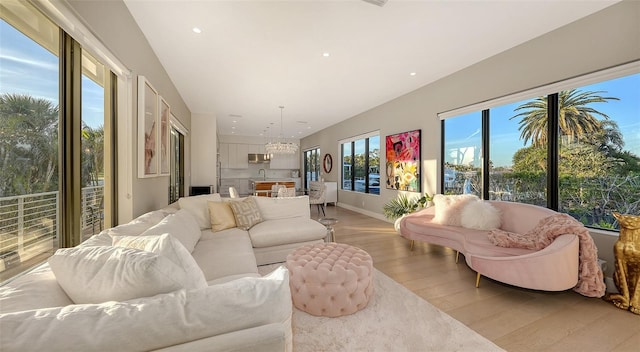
(554, 268)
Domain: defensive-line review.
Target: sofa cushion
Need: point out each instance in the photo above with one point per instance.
(38, 289)
(449, 208)
(160, 321)
(246, 213)
(480, 215)
(221, 215)
(180, 225)
(225, 253)
(284, 208)
(168, 246)
(285, 231)
(100, 274)
(197, 206)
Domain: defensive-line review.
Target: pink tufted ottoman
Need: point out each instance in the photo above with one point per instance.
(330, 279)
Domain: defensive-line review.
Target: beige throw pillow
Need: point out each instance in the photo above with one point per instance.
(221, 215)
(246, 213)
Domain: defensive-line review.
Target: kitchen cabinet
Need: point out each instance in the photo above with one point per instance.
(234, 156)
(223, 152)
(285, 161)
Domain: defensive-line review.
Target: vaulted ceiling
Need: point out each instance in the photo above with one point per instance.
(326, 61)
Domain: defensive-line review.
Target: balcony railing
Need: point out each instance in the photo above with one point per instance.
(29, 224)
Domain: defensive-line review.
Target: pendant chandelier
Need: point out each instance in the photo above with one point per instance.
(280, 146)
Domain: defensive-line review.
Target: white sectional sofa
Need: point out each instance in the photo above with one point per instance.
(208, 293)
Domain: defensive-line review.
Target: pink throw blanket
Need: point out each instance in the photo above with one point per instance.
(590, 281)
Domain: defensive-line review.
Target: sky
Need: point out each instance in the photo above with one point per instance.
(28, 68)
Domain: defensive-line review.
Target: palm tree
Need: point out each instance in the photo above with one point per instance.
(28, 144)
(576, 118)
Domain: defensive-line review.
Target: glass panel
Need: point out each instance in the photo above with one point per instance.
(374, 165)
(346, 166)
(92, 170)
(311, 166)
(28, 138)
(462, 154)
(600, 151)
(176, 176)
(359, 167)
(518, 152)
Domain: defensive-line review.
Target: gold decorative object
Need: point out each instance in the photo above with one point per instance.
(627, 264)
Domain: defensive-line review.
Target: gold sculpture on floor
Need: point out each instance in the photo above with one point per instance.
(627, 264)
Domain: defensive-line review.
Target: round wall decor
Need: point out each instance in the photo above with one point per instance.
(327, 163)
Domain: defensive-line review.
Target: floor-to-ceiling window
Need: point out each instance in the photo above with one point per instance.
(52, 139)
(575, 149)
(360, 158)
(311, 159)
(93, 143)
(176, 174)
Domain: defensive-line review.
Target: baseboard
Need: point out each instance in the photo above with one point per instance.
(363, 212)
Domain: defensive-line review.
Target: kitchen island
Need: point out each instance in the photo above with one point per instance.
(262, 188)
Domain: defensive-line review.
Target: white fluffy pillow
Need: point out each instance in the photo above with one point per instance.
(198, 207)
(169, 247)
(101, 274)
(137, 225)
(449, 208)
(180, 225)
(480, 215)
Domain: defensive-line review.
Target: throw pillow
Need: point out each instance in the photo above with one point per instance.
(480, 215)
(101, 274)
(197, 206)
(449, 208)
(246, 213)
(180, 225)
(221, 216)
(168, 246)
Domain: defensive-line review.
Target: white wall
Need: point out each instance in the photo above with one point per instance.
(608, 38)
(112, 23)
(204, 148)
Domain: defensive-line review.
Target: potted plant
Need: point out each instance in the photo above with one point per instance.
(402, 205)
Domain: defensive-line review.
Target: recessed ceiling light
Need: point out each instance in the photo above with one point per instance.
(196, 30)
(412, 74)
(326, 54)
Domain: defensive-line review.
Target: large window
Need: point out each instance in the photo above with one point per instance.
(53, 100)
(360, 159)
(593, 132)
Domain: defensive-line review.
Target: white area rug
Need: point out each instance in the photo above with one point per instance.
(395, 319)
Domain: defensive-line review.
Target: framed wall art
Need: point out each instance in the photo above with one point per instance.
(163, 137)
(147, 129)
(403, 161)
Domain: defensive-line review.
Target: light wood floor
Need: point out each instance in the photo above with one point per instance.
(513, 318)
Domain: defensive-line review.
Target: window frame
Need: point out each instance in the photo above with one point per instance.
(352, 141)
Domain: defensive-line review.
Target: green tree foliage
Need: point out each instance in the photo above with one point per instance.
(576, 118)
(28, 145)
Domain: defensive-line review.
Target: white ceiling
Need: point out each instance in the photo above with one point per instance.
(254, 56)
